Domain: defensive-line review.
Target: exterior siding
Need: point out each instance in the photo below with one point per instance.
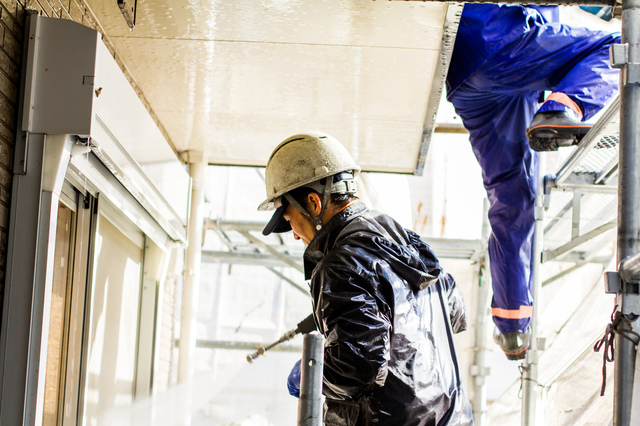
(12, 14)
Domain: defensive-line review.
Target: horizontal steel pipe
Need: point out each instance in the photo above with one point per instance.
(536, 2)
(629, 268)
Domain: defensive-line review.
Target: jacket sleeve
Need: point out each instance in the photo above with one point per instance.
(456, 307)
(356, 325)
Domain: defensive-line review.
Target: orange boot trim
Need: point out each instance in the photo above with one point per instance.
(565, 100)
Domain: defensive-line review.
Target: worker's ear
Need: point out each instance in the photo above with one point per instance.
(314, 202)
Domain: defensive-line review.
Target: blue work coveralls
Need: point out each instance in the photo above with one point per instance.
(504, 57)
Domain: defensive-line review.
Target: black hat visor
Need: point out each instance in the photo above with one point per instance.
(278, 224)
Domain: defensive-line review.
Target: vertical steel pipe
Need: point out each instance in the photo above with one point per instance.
(627, 299)
(530, 388)
(191, 283)
(311, 368)
(479, 370)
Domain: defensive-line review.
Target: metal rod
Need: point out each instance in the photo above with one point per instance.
(479, 370)
(538, 2)
(243, 258)
(295, 285)
(445, 247)
(530, 389)
(607, 172)
(311, 368)
(598, 189)
(601, 128)
(234, 225)
(575, 219)
(244, 346)
(629, 268)
(628, 209)
(550, 255)
(563, 273)
(305, 326)
(283, 257)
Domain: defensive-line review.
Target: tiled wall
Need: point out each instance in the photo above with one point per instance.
(11, 24)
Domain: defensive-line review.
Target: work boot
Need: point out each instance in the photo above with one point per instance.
(551, 129)
(513, 344)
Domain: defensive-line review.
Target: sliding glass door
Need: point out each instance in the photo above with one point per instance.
(97, 356)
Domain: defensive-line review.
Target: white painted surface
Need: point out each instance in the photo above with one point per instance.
(235, 78)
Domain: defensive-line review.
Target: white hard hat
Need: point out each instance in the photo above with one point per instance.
(302, 160)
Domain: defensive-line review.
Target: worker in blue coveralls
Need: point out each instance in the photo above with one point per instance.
(505, 57)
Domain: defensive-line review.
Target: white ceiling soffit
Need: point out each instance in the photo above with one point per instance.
(235, 78)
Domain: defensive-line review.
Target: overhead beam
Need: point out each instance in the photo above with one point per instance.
(537, 2)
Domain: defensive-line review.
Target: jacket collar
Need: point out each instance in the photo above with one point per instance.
(325, 239)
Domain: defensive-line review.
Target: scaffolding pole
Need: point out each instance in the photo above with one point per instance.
(479, 369)
(530, 388)
(311, 369)
(627, 57)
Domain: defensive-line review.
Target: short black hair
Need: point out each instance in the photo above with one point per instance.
(301, 196)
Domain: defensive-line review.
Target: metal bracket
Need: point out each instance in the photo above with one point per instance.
(619, 55)
(615, 284)
(631, 73)
(619, 58)
(612, 282)
(549, 182)
(542, 343)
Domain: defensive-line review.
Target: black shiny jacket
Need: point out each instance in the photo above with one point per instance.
(388, 314)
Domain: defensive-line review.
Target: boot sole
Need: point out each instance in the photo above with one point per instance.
(550, 138)
(514, 356)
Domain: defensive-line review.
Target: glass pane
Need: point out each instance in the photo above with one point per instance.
(55, 350)
(114, 322)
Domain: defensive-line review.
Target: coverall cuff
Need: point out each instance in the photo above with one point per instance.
(551, 105)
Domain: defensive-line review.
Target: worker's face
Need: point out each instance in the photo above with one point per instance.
(302, 226)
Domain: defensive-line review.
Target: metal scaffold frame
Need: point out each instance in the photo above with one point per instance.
(625, 283)
(573, 177)
(628, 297)
(616, 176)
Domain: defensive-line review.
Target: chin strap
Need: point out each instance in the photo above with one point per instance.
(325, 200)
(317, 221)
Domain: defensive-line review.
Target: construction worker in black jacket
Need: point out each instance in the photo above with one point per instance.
(385, 307)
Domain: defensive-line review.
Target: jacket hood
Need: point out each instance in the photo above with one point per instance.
(404, 251)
